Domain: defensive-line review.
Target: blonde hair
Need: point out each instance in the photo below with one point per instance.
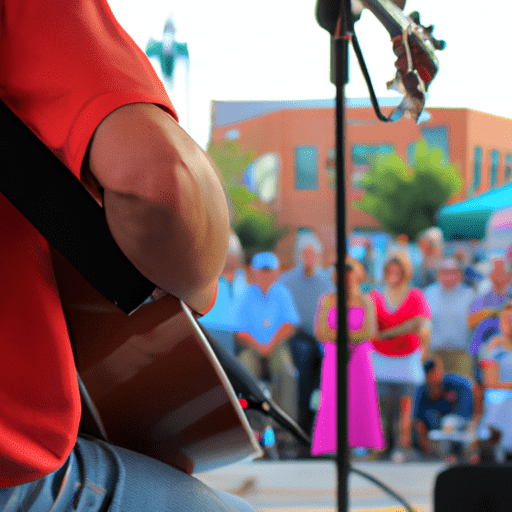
(401, 258)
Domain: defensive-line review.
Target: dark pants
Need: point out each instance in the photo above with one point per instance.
(307, 357)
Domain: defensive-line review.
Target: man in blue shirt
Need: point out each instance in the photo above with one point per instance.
(268, 318)
(445, 405)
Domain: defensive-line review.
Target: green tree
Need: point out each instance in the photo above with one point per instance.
(404, 199)
(252, 220)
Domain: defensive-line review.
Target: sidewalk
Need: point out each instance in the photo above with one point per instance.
(310, 486)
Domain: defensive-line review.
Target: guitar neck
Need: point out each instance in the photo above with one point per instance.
(389, 14)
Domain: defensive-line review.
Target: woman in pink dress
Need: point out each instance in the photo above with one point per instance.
(364, 428)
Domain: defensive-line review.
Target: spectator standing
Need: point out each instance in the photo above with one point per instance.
(222, 320)
(268, 316)
(403, 317)
(449, 301)
(444, 403)
(430, 243)
(306, 284)
(364, 429)
(484, 310)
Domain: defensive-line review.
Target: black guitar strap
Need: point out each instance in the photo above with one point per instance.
(54, 201)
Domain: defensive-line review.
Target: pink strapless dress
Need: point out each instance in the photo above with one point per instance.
(364, 427)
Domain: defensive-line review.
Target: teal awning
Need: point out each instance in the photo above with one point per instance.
(468, 219)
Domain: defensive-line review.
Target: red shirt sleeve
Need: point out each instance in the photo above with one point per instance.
(66, 65)
(419, 304)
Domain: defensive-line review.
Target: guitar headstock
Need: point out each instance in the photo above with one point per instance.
(415, 48)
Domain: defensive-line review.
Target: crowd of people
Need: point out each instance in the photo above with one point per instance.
(430, 368)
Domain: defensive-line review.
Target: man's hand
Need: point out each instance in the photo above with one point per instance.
(420, 61)
(282, 334)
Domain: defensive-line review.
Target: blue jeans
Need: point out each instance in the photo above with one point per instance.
(101, 477)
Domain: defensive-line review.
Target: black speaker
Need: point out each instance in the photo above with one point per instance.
(482, 488)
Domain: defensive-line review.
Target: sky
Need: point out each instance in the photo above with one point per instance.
(275, 50)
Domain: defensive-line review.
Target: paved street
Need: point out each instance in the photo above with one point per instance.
(309, 486)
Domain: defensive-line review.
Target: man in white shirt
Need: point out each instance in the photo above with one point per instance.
(449, 300)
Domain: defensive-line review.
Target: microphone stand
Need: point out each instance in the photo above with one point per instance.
(340, 62)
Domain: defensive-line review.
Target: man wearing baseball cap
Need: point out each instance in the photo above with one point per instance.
(268, 317)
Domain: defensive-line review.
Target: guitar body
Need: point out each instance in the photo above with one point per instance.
(153, 379)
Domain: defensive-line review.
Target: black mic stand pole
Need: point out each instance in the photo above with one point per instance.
(340, 52)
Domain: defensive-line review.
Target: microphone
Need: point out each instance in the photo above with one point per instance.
(247, 387)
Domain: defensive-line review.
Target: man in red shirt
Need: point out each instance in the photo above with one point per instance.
(72, 75)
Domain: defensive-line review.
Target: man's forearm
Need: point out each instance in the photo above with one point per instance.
(282, 334)
(409, 326)
(164, 203)
(479, 316)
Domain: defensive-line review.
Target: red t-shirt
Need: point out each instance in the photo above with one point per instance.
(414, 304)
(65, 65)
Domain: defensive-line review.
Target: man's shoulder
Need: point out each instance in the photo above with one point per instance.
(279, 290)
(290, 275)
(467, 291)
(251, 293)
(432, 290)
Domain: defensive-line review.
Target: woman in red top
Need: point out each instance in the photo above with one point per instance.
(403, 322)
(72, 75)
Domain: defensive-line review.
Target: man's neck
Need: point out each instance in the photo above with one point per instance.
(264, 290)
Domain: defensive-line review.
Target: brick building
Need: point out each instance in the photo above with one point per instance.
(300, 137)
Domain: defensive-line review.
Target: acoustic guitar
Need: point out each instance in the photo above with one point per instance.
(155, 384)
(149, 380)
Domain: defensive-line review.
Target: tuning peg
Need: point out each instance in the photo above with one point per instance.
(415, 17)
(439, 44)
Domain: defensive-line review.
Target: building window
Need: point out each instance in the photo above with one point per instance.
(306, 168)
(508, 168)
(477, 170)
(495, 160)
(232, 134)
(437, 138)
(363, 156)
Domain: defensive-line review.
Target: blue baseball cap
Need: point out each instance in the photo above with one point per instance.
(265, 260)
